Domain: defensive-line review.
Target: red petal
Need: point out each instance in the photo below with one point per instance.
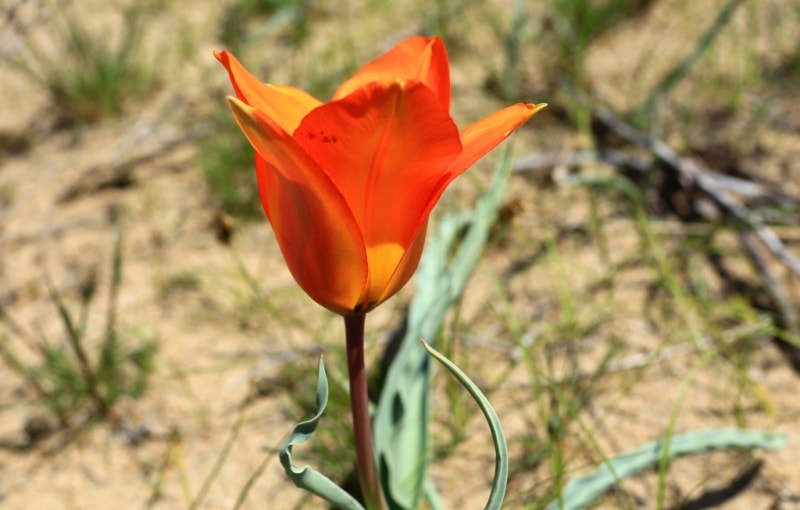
(416, 58)
(315, 229)
(387, 149)
(478, 139)
(486, 134)
(286, 106)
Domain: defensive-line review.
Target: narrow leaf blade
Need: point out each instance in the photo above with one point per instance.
(500, 480)
(307, 477)
(581, 492)
(402, 416)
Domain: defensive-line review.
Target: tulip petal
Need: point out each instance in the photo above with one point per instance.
(477, 140)
(486, 134)
(406, 267)
(315, 229)
(285, 105)
(387, 147)
(416, 58)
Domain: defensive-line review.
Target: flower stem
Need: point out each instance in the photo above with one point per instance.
(359, 406)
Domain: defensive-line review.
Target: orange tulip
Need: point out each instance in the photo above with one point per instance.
(348, 185)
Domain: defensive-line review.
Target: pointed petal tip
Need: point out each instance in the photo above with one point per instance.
(244, 114)
(535, 107)
(528, 111)
(237, 104)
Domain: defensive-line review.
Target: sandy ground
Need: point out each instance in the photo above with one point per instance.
(217, 335)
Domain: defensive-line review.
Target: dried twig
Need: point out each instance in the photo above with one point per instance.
(532, 162)
(691, 173)
(19, 19)
(773, 285)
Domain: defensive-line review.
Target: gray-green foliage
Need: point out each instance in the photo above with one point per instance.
(402, 416)
(306, 477)
(582, 491)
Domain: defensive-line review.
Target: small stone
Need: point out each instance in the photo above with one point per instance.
(39, 427)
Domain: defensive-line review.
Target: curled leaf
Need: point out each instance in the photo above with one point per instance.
(500, 480)
(307, 477)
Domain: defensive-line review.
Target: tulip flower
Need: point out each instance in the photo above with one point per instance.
(348, 185)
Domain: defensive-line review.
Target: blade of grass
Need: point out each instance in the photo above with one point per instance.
(75, 340)
(220, 462)
(674, 77)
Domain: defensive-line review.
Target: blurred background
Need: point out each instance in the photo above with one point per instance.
(642, 277)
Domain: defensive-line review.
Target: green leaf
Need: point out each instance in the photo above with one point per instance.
(401, 419)
(307, 477)
(500, 480)
(581, 492)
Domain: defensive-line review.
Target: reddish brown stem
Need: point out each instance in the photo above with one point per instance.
(359, 405)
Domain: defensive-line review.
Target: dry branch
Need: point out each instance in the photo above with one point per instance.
(709, 182)
(18, 21)
(729, 195)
